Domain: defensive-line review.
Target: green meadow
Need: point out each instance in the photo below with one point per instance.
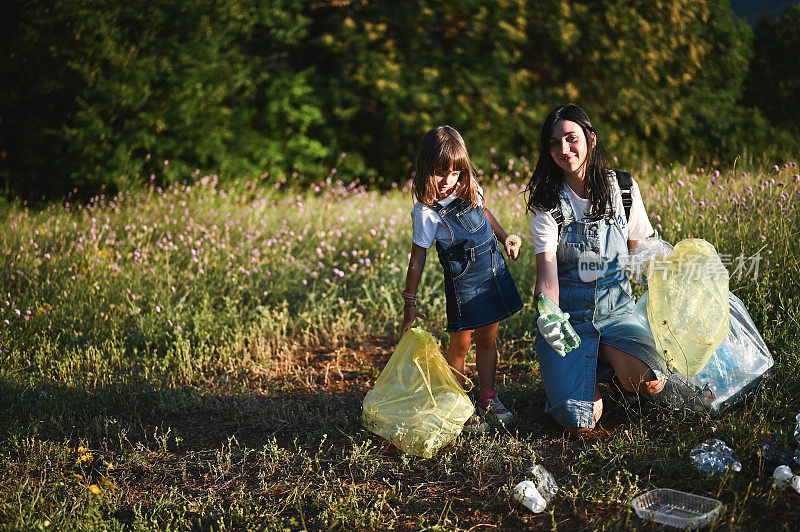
(195, 358)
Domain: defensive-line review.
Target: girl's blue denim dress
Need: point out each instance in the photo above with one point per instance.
(600, 310)
(478, 286)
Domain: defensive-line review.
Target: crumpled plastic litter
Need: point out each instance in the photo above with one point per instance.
(536, 494)
(417, 404)
(545, 482)
(688, 306)
(714, 456)
(645, 255)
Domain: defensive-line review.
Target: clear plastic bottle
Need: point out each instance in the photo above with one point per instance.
(714, 456)
(550, 313)
(545, 482)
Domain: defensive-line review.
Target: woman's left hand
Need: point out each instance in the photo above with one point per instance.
(513, 244)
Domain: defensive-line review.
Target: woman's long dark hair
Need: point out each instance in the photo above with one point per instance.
(543, 187)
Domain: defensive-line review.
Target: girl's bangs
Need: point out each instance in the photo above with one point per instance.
(453, 157)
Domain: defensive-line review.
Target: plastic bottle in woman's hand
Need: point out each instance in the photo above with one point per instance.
(555, 326)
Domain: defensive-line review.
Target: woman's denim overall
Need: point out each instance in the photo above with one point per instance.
(478, 286)
(600, 310)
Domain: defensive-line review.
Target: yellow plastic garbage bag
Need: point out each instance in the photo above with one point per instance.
(417, 404)
(688, 307)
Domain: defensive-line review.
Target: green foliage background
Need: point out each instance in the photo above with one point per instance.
(103, 93)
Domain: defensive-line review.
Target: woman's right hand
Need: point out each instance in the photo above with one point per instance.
(410, 313)
(553, 334)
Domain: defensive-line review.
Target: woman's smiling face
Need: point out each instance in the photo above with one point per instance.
(569, 147)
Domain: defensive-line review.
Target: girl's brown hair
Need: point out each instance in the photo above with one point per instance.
(442, 150)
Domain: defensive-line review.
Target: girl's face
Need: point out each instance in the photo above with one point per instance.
(569, 147)
(445, 183)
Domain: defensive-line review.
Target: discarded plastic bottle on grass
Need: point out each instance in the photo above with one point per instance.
(535, 494)
(551, 313)
(545, 482)
(714, 456)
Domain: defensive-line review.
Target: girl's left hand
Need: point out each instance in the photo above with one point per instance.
(512, 244)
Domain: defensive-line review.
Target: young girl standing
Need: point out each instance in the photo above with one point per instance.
(479, 289)
(584, 219)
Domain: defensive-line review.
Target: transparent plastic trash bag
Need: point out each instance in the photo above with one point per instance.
(648, 251)
(417, 404)
(735, 367)
(688, 306)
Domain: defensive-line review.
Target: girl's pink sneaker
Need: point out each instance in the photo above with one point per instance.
(490, 405)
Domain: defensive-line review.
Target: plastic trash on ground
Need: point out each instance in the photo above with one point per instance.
(536, 494)
(676, 508)
(688, 307)
(714, 456)
(545, 482)
(417, 404)
(735, 367)
(646, 255)
(773, 453)
(528, 496)
(782, 476)
(797, 429)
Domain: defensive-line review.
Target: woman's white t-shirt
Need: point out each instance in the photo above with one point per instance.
(544, 228)
(429, 226)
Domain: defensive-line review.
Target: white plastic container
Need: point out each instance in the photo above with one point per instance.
(676, 508)
(782, 476)
(528, 495)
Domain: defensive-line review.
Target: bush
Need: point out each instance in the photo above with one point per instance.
(118, 91)
(106, 93)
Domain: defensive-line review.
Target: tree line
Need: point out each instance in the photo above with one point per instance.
(100, 94)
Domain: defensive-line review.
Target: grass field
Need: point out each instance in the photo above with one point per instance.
(196, 358)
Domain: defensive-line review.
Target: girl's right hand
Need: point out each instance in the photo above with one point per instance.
(409, 315)
(512, 245)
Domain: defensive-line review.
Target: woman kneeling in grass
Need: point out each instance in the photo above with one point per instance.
(584, 219)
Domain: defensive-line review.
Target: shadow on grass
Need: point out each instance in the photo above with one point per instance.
(138, 413)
